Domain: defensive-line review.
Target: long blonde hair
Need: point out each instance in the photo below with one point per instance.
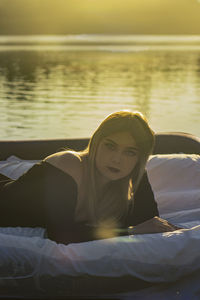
(116, 198)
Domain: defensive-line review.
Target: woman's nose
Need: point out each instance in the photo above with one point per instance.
(116, 157)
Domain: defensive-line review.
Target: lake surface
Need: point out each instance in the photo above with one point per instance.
(64, 86)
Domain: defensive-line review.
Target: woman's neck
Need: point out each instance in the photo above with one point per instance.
(101, 181)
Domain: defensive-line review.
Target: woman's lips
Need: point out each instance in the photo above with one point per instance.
(113, 170)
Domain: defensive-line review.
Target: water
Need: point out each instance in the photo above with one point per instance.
(63, 86)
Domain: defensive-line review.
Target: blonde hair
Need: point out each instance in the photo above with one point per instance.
(116, 198)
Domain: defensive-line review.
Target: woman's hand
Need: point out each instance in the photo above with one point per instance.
(154, 225)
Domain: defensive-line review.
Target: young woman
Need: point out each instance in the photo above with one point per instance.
(100, 192)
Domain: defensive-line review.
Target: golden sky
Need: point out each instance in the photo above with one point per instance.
(99, 16)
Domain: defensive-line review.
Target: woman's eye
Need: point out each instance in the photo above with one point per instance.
(130, 153)
(110, 146)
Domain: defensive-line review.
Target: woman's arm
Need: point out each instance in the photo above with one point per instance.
(144, 206)
(21, 200)
(144, 217)
(45, 196)
(154, 225)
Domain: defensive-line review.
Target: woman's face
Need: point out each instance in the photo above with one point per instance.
(117, 155)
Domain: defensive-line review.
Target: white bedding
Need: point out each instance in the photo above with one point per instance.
(26, 255)
(14, 166)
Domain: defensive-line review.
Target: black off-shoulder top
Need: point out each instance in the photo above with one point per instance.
(46, 197)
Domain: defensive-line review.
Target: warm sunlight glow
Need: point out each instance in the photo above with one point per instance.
(100, 16)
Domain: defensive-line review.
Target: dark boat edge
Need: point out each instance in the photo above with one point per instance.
(165, 143)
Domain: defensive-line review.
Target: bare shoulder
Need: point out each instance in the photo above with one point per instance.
(67, 161)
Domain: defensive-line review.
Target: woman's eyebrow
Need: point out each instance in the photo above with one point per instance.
(132, 148)
(109, 140)
(129, 147)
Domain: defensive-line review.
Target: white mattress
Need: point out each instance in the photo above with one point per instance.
(26, 256)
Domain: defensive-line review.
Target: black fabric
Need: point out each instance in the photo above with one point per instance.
(46, 197)
(22, 201)
(3, 180)
(144, 206)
